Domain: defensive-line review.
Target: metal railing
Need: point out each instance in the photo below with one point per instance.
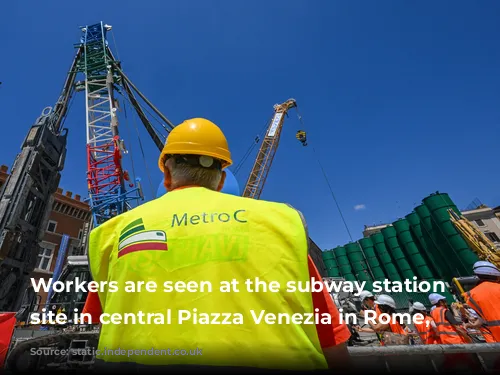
(427, 359)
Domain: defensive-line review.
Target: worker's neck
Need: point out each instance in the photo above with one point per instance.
(184, 187)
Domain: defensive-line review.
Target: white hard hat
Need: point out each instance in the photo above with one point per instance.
(485, 269)
(435, 298)
(364, 295)
(384, 299)
(419, 306)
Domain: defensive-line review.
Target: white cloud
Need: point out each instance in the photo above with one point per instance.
(359, 207)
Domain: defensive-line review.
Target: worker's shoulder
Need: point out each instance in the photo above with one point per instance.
(484, 288)
(265, 206)
(257, 202)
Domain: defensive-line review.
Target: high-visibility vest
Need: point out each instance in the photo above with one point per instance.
(427, 334)
(195, 235)
(397, 328)
(485, 300)
(446, 331)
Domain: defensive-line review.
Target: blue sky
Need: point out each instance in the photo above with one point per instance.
(399, 98)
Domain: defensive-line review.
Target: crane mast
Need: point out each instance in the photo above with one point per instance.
(105, 176)
(262, 164)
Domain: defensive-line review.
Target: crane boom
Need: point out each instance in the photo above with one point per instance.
(262, 164)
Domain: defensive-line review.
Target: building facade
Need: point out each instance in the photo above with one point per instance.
(369, 230)
(487, 221)
(316, 255)
(68, 217)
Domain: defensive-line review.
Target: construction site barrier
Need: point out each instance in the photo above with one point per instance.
(427, 359)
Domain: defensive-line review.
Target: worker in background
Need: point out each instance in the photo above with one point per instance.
(367, 303)
(427, 330)
(387, 305)
(196, 233)
(484, 299)
(448, 328)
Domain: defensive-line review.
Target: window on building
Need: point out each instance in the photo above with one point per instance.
(80, 233)
(492, 237)
(480, 222)
(45, 256)
(51, 226)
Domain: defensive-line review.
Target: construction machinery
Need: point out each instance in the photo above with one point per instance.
(262, 164)
(477, 241)
(26, 198)
(27, 195)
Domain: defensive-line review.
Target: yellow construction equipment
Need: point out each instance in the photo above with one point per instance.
(478, 242)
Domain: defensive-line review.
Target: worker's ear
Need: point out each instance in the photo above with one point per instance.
(167, 179)
(222, 179)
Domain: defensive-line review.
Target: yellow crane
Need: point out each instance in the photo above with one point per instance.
(264, 159)
(477, 241)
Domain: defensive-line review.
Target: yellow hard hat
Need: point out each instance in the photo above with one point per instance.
(197, 136)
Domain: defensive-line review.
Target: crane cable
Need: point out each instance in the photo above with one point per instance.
(144, 157)
(130, 135)
(326, 179)
(250, 149)
(140, 146)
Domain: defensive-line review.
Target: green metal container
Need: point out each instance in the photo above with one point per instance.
(384, 257)
(428, 250)
(358, 262)
(369, 250)
(343, 262)
(463, 257)
(434, 241)
(329, 259)
(332, 268)
(397, 254)
(411, 250)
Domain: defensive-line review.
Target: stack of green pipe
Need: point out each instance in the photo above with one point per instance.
(332, 269)
(343, 262)
(428, 248)
(385, 258)
(433, 240)
(369, 250)
(462, 256)
(411, 250)
(358, 263)
(397, 254)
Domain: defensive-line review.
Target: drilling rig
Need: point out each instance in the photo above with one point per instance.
(27, 195)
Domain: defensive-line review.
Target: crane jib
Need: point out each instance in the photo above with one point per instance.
(274, 124)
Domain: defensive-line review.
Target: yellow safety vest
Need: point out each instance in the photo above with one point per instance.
(197, 235)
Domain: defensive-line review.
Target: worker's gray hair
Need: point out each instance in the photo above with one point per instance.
(186, 174)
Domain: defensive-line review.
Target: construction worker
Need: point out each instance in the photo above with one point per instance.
(427, 330)
(367, 300)
(367, 303)
(387, 305)
(196, 233)
(484, 299)
(448, 329)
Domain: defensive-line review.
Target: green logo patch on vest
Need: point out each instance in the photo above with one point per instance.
(134, 237)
